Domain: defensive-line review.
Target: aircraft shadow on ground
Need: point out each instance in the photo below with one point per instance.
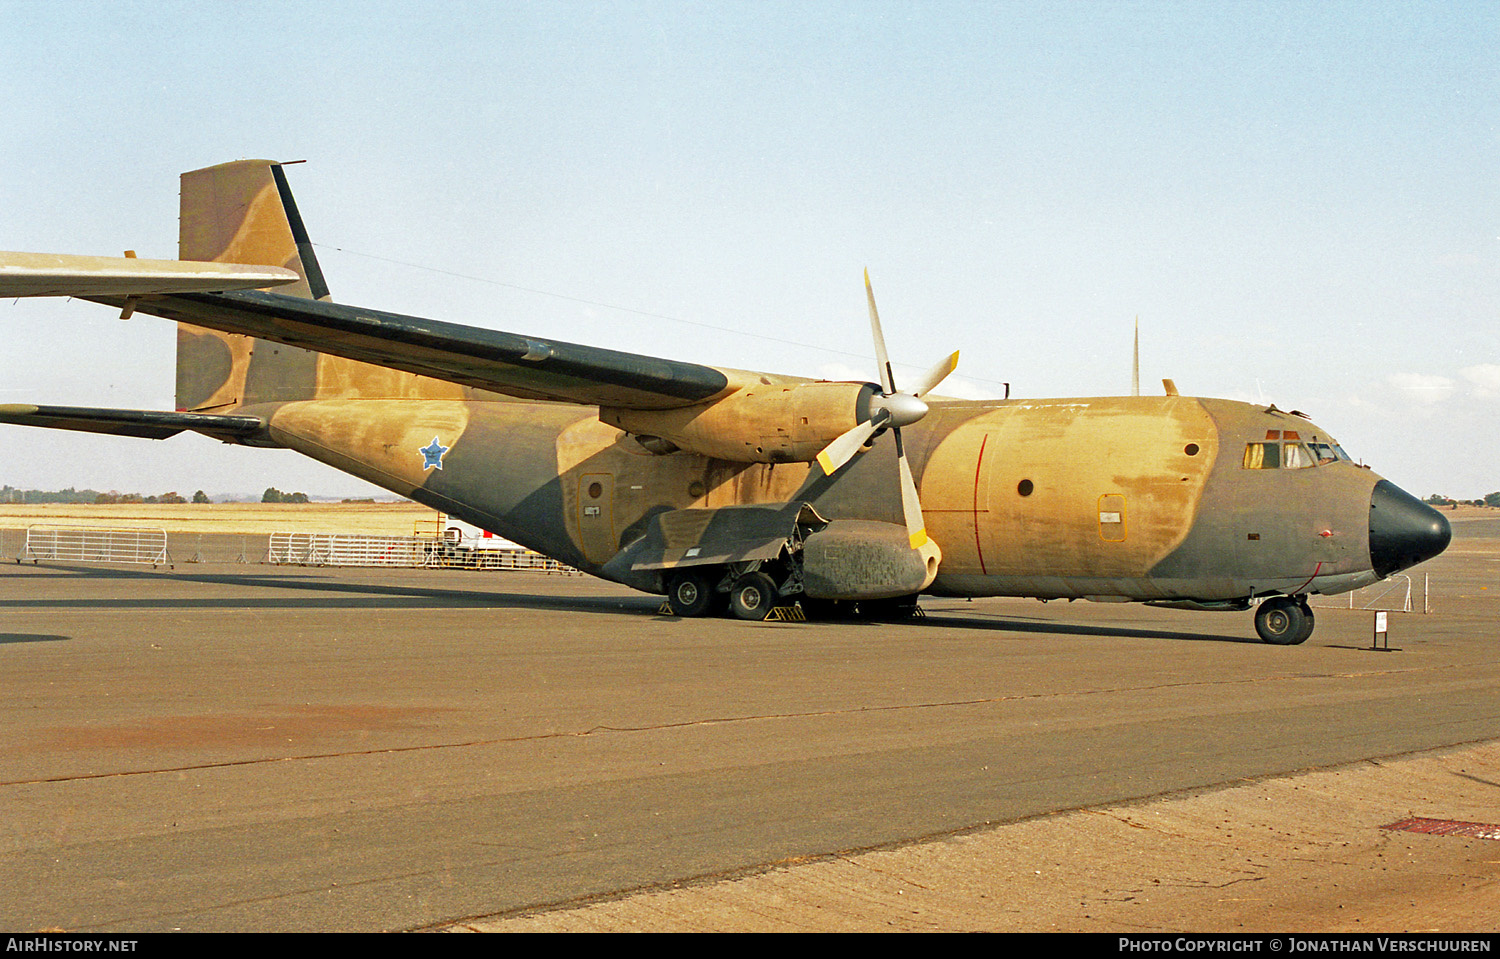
(8, 638)
(324, 594)
(1078, 629)
(336, 594)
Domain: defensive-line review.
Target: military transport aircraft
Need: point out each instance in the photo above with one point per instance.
(732, 490)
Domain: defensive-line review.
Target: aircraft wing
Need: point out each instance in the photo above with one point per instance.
(230, 297)
(520, 366)
(148, 424)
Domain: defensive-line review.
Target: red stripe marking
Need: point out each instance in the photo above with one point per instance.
(1309, 579)
(1447, 827)
(979, 547)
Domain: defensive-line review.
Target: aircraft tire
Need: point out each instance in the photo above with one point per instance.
(1308, 622)
(691, 593)
(752, 596)
(1281, 621)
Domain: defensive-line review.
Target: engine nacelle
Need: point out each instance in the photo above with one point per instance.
(861, 559)
(759, 423)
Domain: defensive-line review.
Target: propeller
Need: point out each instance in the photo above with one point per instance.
(891, 409)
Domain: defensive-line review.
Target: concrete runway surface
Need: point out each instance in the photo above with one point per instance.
(243, 747)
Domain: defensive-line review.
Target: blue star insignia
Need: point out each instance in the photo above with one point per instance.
(432, 454)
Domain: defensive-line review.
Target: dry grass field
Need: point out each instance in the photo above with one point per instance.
(388, 519)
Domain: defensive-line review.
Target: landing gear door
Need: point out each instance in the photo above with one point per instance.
(596, 516)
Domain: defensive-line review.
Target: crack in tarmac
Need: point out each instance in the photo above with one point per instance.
(687, 724)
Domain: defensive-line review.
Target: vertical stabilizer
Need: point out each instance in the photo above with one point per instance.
(243, 212)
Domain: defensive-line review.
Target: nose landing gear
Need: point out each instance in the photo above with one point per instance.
(1284, 620)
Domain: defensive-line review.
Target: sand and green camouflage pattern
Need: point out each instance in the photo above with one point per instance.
(610, 461)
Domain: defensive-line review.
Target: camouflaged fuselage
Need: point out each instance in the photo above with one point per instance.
(1142, 498)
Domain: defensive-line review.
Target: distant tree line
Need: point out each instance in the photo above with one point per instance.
(274, 495)
(1438, 499)
(172, 497)
(10, 494)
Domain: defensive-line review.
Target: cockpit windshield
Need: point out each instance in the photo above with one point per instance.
(1288, 450)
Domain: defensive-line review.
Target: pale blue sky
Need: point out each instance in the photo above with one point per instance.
(1299, 200)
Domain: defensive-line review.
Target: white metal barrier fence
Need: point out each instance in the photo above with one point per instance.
(96, 544)
(1391, 595)
(355, 549)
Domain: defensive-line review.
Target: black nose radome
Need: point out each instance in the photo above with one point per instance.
(1404, 531)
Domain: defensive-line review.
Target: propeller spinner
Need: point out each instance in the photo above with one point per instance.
(891, 409)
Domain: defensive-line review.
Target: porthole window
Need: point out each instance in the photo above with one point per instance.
(1191, 449)
(596, 490)
(1024, 487)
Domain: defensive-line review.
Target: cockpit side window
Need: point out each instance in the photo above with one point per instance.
(1262, 456)
(1295, 457)
(1328, 452)
(1285, 449)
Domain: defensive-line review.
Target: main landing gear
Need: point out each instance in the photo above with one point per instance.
(1284, 620)
(745, 593)
(694, 592)
(700, 591)
(751, 594)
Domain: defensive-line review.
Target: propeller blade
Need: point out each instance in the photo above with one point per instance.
(882, 360)
(843, 448)
(911, 507)
(936, 375)
(893, 410)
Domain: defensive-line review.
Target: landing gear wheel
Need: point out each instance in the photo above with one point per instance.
(1307, 623)
(691, 593)
(752, 596)
(1282, 621)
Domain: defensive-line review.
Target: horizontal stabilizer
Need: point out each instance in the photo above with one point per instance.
(56, 274)
(148, 424)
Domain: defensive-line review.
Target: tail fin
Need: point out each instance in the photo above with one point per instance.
(243, 212)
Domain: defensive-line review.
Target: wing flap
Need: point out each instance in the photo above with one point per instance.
(147, 424)
(57, 274)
